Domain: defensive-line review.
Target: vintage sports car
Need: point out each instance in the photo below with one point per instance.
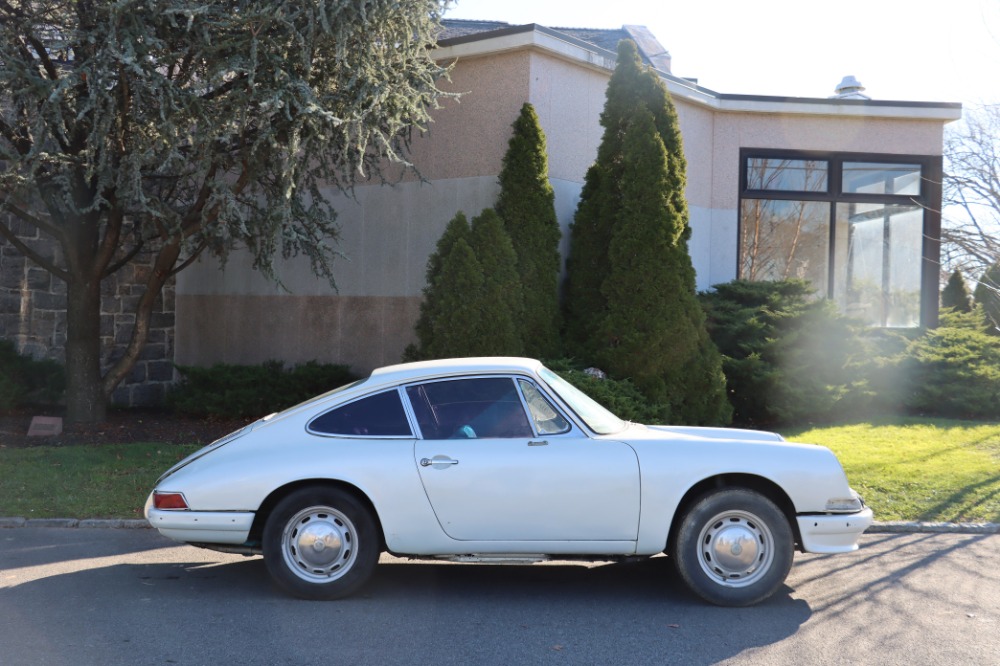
(501, 459)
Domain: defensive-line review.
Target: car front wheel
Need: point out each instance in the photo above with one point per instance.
(320, 543)
(734, 547)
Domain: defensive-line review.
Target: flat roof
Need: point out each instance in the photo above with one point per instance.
(465, 39)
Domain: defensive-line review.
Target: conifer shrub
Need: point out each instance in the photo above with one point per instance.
(955, 294)
(630, 288)
(787, 355)
(25, 381)
(473, 299)
(953, 370)
(526, 205)
(987, 295)
(243, 391)
(620, 397)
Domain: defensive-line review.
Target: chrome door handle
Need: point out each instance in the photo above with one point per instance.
(427, 462)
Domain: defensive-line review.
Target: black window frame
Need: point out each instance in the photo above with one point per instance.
(929, 200)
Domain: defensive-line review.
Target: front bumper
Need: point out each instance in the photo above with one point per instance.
(226, 527)
(833, 533)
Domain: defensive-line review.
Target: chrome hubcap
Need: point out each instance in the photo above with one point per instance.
(319, 544)
(736, 548)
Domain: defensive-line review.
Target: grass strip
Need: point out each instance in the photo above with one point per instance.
(935, 470)
(107, 481)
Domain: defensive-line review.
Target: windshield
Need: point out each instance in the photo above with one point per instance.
(593, 414)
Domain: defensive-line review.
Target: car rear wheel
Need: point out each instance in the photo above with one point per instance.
(320, 543)
(734, 547)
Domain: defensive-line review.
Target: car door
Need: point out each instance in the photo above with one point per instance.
(496, 471)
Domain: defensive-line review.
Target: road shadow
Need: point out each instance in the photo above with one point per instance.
(410, 613)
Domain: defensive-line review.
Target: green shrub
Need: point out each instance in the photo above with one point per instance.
(621, 397)
(987, 296)
(954, 370)
(25, 381)
(239, 391)
(955, 294)
(787, 355)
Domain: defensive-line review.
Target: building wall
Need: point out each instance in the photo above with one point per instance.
(233, 315)
(33, 316)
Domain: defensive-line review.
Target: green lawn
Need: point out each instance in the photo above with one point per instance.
(907, 469)
(919, 469)
(108, 481)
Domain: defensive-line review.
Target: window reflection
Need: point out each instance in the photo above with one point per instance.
(881, 178)
(785, 239)
(765, 173)
(879, 255)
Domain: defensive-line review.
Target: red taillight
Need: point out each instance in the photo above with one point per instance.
(169, 500)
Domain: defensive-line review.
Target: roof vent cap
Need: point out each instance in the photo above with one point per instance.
(849, 88)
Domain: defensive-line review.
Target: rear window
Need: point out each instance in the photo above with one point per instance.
(379, 415)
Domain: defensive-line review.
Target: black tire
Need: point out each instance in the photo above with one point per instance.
(320, 543)
(733, 547)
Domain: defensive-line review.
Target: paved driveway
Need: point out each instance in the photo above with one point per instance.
(100, 596)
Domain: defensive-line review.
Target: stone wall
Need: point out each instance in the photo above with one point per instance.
(33, 316)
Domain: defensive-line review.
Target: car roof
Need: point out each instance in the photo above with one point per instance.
(404, 372)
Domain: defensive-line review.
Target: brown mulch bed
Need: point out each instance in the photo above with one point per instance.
(121, 426)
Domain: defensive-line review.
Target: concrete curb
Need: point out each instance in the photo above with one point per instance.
(138, 524)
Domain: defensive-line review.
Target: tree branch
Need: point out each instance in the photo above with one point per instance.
(14, 240)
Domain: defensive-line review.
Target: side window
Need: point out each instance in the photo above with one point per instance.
(469, 408)
(548, 421)
(379, 415)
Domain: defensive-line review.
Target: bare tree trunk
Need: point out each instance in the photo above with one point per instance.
(85, 399)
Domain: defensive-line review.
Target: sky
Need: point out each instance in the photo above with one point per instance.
(917, 50)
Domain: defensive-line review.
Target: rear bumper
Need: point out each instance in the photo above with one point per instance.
(833, 533)
(226, 527)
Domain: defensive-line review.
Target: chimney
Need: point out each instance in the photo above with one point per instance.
(849, 88)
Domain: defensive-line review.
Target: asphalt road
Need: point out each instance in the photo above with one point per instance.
(107, 597)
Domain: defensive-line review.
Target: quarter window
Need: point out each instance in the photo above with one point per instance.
(379, 415)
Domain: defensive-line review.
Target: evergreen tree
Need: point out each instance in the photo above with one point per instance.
(472, 301)
(987, 296)
(501, 299)
(653, 331)
(527, 207)
(456, 230)
(155, 131)
(601, 198)
(460, 328)
(631, 286)
(955, 294)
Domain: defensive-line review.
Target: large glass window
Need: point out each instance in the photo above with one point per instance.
(856, 228)
(784, 239)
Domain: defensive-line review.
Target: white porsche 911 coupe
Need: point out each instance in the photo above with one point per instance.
(500, 459)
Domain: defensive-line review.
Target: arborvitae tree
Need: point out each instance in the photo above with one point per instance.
(501, 300)
(461, 330)
(631, 286)
(955, 294)
(457, 229)
(527, 207)
(987, 296)
(472, 301)
(653, 331)
(601, 200)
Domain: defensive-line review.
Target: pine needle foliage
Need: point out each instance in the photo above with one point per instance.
(526, 205)
(955, 294)
(631, 301)
(472, 301)
(168, 128)
(987, 295)
(601, 198)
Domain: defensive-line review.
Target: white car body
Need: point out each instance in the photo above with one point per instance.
(570, 493)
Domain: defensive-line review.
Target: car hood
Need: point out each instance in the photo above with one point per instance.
(719, 433)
